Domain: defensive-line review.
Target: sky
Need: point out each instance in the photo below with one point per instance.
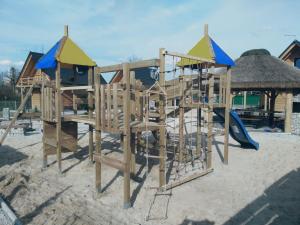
(112, 31)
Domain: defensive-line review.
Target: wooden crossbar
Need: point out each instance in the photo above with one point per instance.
(133, 65)
(115, 163)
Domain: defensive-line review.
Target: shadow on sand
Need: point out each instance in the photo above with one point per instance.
(9, 155)
(279, 204)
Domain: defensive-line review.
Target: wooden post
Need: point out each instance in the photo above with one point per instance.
(90, 113)
(98, 131)
(132, 117)
(205, 29)
(58, 116)
(162, 129)
(210, 121)
(74, 102)
(288, 112)
(199, 134)
(181, 117)
(108, 102)
(272, 108)
(66, 30)
(126, 133)
(227, 111)
(245, 99)
(43, 119)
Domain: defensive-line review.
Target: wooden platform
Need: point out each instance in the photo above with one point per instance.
(136, 126)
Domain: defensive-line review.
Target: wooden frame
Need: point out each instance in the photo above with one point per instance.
(119, 108)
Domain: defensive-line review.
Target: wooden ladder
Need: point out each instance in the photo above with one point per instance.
(12, 122)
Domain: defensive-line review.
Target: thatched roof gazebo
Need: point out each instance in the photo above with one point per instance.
(258, 70)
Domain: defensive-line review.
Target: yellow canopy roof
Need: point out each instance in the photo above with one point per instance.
(202, 49)
(70, 53)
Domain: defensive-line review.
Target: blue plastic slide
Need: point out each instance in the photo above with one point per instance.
(237, 129)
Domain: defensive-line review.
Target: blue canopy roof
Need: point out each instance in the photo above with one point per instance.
(220, 56)
(48, 61)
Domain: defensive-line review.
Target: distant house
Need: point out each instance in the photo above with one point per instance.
(291, 54)
(27, 75)
(142, 74)
(70, 76)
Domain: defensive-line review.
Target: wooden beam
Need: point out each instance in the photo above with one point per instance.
(187, 179)
(205, 29)
(114, 163)
(162, 120)
(58, 116)
(210, 121)
(126, 132)
(90, 113)
(227, 111)
(181, 117)
(133, 65)
(200, 59)
(98, 133)
(72, 88)
(288, 112)
(66, 30)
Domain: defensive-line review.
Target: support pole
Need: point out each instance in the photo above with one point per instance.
(90, 113)
(210, 121)
(288, 112)
(132, 116)
(245, 99)
(98, 132)
(162, 129)
(181, 118)
(272, 108)
(43, 119)
(74, 102)
(227, 111)
(58, 116)
(126, 145)
(199, 134)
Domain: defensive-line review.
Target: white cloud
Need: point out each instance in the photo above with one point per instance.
(5, 64)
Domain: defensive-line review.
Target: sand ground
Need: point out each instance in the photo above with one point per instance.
(257, 187)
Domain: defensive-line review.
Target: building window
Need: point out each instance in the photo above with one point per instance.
(297, 63)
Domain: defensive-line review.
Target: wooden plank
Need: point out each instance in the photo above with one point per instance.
(126, 131)
(162, 119)
(227, 111)
(72, 88)
(187, 179)
(133, 65)
(109, 161)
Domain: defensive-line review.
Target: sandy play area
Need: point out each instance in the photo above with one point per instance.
(257, 187)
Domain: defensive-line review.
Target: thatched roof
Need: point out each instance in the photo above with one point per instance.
(257, 69)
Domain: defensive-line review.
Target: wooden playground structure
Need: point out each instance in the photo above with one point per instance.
(130, 110)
